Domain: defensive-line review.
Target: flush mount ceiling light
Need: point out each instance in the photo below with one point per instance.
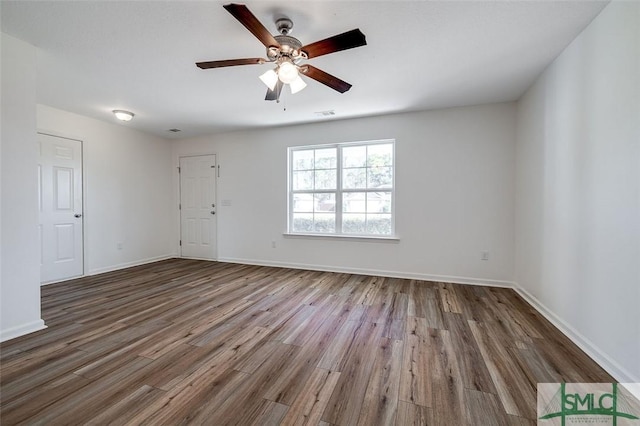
(123, 115)
(288, 54)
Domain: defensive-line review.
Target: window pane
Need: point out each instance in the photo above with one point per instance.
(326, 158)
(379, 202)
(354, 202)
(303, 203)
(303, 160)
(353, 223)
(302, 222)
(380, 155)
(379, 177)
(325, 179)
(379, 224)
(325, 203)
(354, 178)
(302, 180)
(325, 222)
(354, 156)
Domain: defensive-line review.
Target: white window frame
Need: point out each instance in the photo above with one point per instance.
(339, 191)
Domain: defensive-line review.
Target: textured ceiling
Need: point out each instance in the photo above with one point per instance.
(94, 57)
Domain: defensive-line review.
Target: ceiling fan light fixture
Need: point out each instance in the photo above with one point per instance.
(287, 72)
(123, 115)
(297, 85)
(269, 78)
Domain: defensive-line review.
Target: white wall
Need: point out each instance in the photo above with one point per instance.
(455, 195)
(20, 272)
(128, 190)
(578, 190)
(127, 181)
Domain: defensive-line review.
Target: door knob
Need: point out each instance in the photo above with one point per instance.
(77, 215)
(212, 212)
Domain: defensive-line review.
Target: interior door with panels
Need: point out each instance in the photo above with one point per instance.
(198, 207)
(60, 208)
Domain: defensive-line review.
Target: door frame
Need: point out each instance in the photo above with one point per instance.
(178, 193)
(55, 134)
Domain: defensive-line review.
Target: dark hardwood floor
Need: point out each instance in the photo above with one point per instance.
(183, 341)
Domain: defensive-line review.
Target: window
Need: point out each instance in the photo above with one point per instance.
(342, 189)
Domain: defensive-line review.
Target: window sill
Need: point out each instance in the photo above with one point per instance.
(363, 238)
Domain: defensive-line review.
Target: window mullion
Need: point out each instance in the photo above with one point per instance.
(366, 193)
(313, 195)
(339, 190)
(290, 195)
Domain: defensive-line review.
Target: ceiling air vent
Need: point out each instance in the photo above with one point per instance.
(328, 113)
(174, 130)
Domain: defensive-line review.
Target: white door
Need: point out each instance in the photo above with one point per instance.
(198, 206)
(60, 202)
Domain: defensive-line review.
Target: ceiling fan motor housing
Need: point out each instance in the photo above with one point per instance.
(288, 44)
(289, 48)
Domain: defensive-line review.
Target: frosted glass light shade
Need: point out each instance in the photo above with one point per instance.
(123, 115)
(287, 72)
(297, 85)
(270, 78)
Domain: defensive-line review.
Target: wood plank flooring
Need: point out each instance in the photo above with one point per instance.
(192, 342)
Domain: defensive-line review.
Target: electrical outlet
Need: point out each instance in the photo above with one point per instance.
(484, 255)
(119, 246)
(273, 244)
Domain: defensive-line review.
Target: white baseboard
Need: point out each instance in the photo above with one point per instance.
(618, 372)
(374, 272)
(21, 330)
(130, 264)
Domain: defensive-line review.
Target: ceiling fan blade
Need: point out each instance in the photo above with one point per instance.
(344, 41)
(274, 95)
(327, 79)
(229, 63)
(248, 19)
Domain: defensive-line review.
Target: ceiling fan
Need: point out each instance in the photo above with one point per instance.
(288, 53)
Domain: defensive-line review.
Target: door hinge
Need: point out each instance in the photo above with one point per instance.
(180, 242)
(178, 169)
(179, 206)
